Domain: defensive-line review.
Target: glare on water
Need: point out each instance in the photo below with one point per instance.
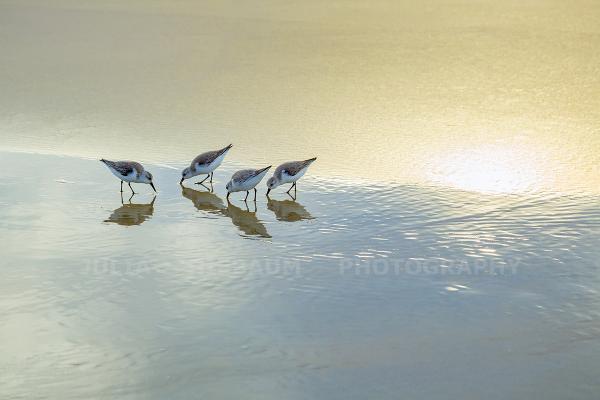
(493, 169)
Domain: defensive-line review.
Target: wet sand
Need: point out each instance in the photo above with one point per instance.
(351, 291)
(444, 245)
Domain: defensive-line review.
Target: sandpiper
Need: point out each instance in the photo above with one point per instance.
(246, 179)
(288, 172)
(205, 163)
(129, 171)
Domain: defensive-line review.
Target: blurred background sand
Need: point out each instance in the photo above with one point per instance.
(483, 95)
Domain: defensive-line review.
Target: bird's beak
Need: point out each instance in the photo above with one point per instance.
(181, 181)
(228, 193)
(153, 188)
(268, 190)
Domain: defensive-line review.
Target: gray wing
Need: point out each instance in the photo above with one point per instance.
(125, 167)
(246, 174)
(293, 167)
(209, 156)
(243, 175)
(137, 166)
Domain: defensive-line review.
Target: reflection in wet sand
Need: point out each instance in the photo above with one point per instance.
(163, 310)
(132, 214)
(288, 210)
(246, 221)
(205, 201)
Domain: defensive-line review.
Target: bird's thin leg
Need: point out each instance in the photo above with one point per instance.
(291, 187)
(200, 183)
(121, 186)
(247, 193)
(131, 187)
(130, 198)
(211, 176)
(255, 195)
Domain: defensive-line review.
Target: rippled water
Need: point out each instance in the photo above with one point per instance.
(444, 245)
(351, 291)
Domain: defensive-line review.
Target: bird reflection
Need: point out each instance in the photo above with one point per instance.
(131, 214)
(288, 210)
(245, 220)
(205, 201)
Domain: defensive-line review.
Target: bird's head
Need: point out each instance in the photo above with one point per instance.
(147, 178)
(272, 183)
(185, 174)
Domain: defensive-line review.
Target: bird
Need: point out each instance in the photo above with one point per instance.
(129, 171)
(245, 180)
(288, 172)
(205, 163)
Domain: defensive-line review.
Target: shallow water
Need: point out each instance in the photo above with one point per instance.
(351, 291)
(444, 245)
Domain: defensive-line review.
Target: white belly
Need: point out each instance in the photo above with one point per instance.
(207, 169)
(249, 184)
(285, 178)
(131, 177)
